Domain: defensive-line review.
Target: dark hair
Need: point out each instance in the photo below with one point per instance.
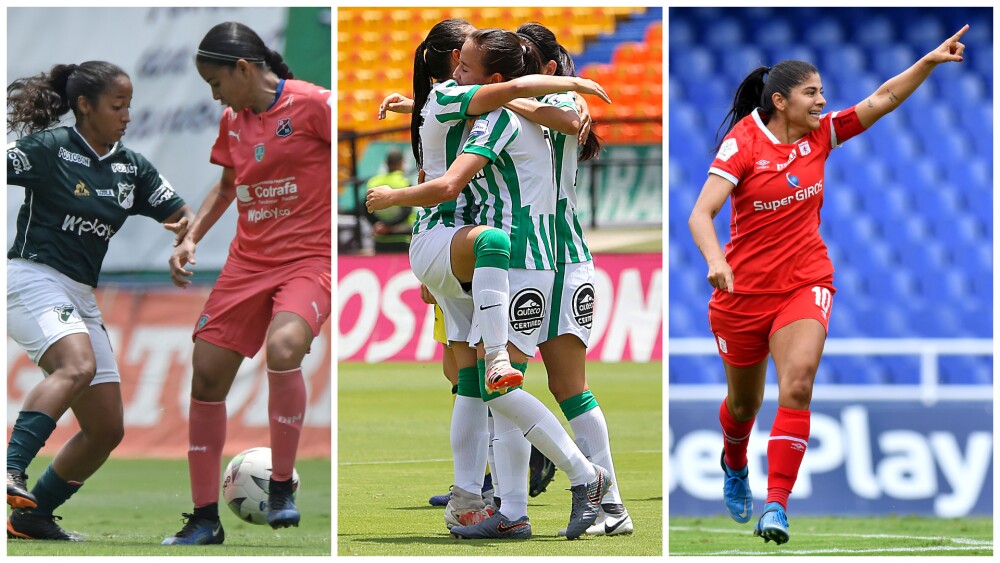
(507, 53)
(229, 42)
(756, 90)
(36, 102)
(432, 61)
(551, 50)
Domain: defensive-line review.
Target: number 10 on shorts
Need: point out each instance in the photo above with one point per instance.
(823, 299)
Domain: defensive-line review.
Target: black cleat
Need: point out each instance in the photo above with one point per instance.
(26, 525)
(542, 471)
(197, 530)
(281, 511)
(17, 490)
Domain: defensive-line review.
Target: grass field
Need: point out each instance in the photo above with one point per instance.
(890, 535)
(129, 506)
(394, 454)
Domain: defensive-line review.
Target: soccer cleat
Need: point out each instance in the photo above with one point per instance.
(17, 490)
(442, 500)
(541, 472)
(500, 375)
(613, 520)
(736, 492)
(26, 525)
(773, 524)
(281, 510)
(197, 530)
(497, 527)
(464, 509)
(587, 503)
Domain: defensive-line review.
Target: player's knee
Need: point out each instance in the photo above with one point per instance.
(492, 244)
(798, 390)
(110, 435)
(285, 352)
(78, 374)
(744, 409)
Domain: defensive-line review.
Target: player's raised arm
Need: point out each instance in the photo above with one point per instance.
(891, 94)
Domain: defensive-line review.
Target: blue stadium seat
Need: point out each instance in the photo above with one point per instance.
(874, 33)
(738, 64)
(890, 60)
(774, 34)
(796, 52)
(845, 58)
(824, 31)
(851, 370)
(900, 369)
(681, 33)
(696, 370)
(722, 34)
(963, 370)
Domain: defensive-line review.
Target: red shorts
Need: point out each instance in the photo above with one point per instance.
(243, 303)
(743, 324)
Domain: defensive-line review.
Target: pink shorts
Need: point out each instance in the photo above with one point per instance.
(743, 324)
(243, 303)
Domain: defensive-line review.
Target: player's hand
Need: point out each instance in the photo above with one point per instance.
(182, 256)
(379, 228)
(180, 229)
(585, 121)
(588, 86)
(421, 175)
(396, 103)
(426, 295)
(720, 275)
(950, 51)
(378, 198)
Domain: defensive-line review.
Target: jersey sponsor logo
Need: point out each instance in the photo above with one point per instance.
(763, 164)
(258, 215)
(124, 168)
(800, 194)
(284, 128)
(105, 193)
(161, 194)
(243, 193)
(479, 129)
(73, 157)
(17, 159)
(80, 190)
(82, 226)
(258, 152)
(126, 195)
(527, 309)
(266, 190)
(65, 313)
(804, 148)
(727, 150)
(793, 181)
(583, 305)
(791, 158)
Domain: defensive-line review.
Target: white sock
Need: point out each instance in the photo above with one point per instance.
(543, 430)
(491, 297)
(512, 454)
(490, 458)
(469, 442)
(591, 432)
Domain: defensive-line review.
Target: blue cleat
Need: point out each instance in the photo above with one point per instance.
(281, 511)
(495, 527)
(736, 492)
(197, 530)
(773, 524)
(442, 500)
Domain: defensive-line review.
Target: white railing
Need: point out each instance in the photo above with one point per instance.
(929, 390)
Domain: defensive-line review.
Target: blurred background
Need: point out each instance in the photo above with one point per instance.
(906, 381)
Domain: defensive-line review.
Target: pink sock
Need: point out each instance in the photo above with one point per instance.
(736, 437)
(206, 436)
(785, 449)
(286, 404)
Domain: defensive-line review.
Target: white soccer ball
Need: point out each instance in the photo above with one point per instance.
(245, 484)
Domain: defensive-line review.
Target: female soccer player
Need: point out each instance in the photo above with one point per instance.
(516, 193)
(80, 183)
(274, 147)
(774, 283)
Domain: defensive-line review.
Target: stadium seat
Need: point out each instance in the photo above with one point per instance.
(963, 370)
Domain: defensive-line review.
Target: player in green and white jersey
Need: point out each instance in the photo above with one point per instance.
(81, 184)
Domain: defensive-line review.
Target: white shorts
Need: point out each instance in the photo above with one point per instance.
(530, 293)
(572, 303)
(430, 260)
(44, 305)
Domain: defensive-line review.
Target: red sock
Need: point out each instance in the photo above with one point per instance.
(736, 436)
(286, 404)
(789, 438)
(206, 437)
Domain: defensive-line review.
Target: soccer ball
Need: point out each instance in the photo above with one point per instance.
(245, 484)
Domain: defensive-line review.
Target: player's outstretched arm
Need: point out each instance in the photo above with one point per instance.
(426, 194)
(492, 96)
(179, 222)
(563, 120)
(711, 199)
(396, 103)
(215, 204)
(891, 94)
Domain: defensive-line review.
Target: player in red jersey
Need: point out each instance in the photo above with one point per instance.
(275, 289)
(774, 282)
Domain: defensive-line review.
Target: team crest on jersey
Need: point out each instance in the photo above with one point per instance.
(18, 160)
(804, 148)
(527, 309)
(65, 313)
(258, 152)
(81, 190)
(284, 127)
(583, 305)
(126, 195)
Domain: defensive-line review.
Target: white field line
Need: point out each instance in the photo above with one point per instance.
(834, 551)
(448, 459)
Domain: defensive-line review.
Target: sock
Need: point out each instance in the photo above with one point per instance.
(541, 428)
(590, 432)
(490, 457)
(785, 449)
(469, 433)
(209, 511)
(736, 437)
(491, 288)
(52, 491)
(286, 405)
(512, 453)
(206, 436)
(31, 430)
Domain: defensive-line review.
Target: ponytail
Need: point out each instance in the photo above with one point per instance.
(36, 102)
(229, 42)
(278, 65)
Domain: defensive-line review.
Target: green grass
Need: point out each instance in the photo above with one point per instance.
(130, 505)
(889, 535)
(394, 454)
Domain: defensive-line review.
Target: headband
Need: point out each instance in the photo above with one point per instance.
(228, 58)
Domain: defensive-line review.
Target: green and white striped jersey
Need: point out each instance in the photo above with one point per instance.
(571, 245)
(516, 191)
(443, 131)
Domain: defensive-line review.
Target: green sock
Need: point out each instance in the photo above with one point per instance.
(52, 491)
(31, 430)
(578, 404)
(468, 382)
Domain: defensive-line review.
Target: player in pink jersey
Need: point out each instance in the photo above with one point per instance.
(774, 282)
(275, 289)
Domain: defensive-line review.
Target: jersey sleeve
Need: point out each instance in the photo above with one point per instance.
(220, 150)
(321, 121)
(28, 160)
(844, 124)
(491, 133)
(732, 160)
(155, 197)
(561, 100)
(453, 100)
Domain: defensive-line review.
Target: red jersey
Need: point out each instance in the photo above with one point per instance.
(774, 242)
(283, 184)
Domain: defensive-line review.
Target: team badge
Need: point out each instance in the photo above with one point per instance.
(258, 151)
(284, 127)
(126, 195)
(65, 313)
(583, 305)
(527, 309)
(81, 190)
(722, 345)
(201, 323)
(18, 160)
(804, 148)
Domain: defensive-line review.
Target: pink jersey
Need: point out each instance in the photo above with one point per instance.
(283, 182)
(774, 233)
